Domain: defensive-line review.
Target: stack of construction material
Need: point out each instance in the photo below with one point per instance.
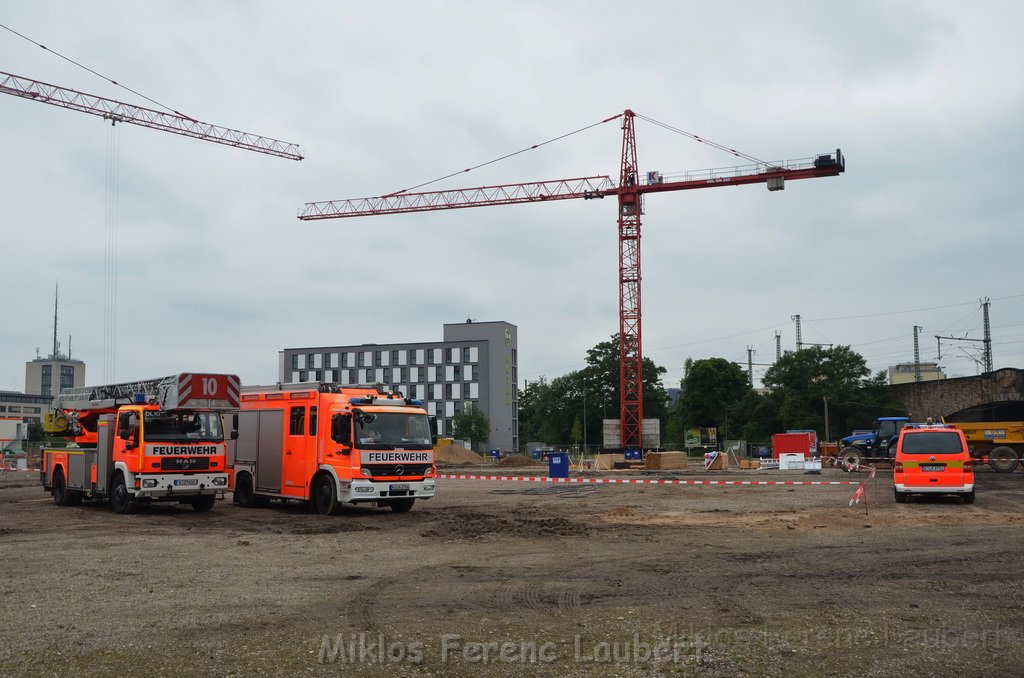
(664, 461)
(606, 462)
(719, 463)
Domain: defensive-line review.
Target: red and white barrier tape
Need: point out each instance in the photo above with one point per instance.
(859, 494)
(644, 481)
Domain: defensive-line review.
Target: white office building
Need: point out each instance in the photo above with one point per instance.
(475, 363)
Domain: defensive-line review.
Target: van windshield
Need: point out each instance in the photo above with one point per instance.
(932, 442)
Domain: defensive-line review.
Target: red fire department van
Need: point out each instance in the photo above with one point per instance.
(932, 459)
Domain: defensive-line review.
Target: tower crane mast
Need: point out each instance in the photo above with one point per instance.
(118, 111)
(629, 192)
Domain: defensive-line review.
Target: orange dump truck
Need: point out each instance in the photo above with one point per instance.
(330, 445)
(155, 440)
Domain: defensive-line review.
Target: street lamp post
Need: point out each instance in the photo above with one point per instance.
(584, 416)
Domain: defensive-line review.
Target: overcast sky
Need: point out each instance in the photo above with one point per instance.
(215, 273)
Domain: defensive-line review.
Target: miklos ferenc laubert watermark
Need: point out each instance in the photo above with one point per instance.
(362, 648)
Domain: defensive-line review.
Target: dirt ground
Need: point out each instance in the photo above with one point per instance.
(497, 578)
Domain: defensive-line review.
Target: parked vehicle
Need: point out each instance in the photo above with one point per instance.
(154, 440)
(932, 459)
(874, 446)
(330, 445)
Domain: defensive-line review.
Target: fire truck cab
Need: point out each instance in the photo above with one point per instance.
(330, 445)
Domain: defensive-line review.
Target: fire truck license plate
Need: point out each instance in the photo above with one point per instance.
(933, 467)
(186, 481)
(399, 487)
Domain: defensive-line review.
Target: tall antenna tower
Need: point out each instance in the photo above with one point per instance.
(987, 341)
(56, 344)
(917, 354)
(799, 338)
(778, 345)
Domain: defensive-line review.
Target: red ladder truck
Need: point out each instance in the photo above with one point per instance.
(155, 440)
(329, 445)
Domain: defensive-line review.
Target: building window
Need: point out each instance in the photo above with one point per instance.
(297, 418)
(437, 356)
(67, 376)
(420, 356)
(474, 354)
(402, 357)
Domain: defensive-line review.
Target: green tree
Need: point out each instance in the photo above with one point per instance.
(35, 432)
(801, 380)
(471, 424)
(548, 410)
(712, 390)
(601, 381)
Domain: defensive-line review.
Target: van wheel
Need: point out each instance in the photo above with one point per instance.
(204, 503)
(1003, 459)
(402, 505)
(851, 457)
(120, 501)
(901, 497)
(969, 497)
(325, 495)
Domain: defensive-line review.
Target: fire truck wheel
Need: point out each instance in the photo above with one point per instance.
(1002, 459)
(120, 501)
(204, 503)
(60, 492)
(901, 497)
(402, 505)
(244, 495)
(969, 497)
(325, 495)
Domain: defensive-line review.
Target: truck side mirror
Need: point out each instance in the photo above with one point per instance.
(341, 429)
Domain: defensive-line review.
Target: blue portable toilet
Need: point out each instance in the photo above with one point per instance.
(558, 464)
(496, 454)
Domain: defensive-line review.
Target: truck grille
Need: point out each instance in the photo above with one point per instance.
(398, 470)
(185, 463)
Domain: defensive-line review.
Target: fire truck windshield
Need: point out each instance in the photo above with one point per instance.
(393, 430)
(182, 427)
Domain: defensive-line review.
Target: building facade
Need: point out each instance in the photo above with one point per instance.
(475, 364)
(17, 412)
(906, 373)
(51, 375)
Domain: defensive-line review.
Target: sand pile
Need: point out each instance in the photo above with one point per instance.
(454, 454)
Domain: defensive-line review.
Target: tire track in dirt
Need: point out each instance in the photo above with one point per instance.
(550, 597)
(361, 606)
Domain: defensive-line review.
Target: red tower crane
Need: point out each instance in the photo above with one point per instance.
(117, 111)
(629, 191)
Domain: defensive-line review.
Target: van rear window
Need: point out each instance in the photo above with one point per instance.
(932, 442)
